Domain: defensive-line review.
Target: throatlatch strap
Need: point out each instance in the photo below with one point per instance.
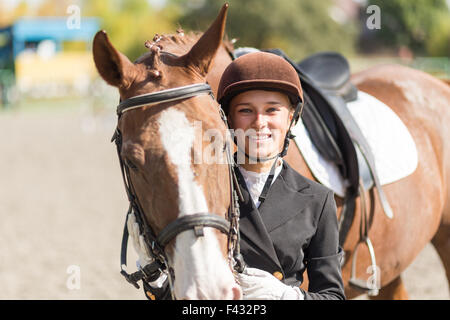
(124, 246)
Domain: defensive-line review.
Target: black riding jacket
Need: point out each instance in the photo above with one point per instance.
(293, 230)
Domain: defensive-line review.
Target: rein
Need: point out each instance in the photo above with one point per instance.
(156, 243)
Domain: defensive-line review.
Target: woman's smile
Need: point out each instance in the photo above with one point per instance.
(261, 137)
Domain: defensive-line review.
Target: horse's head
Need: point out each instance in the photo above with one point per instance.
(163, 146)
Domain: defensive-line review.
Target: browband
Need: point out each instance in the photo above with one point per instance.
(167, 95)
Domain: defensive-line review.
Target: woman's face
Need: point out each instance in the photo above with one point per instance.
(260, 120)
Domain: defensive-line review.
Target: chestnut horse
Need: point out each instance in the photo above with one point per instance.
(153, 136)
(158, 146)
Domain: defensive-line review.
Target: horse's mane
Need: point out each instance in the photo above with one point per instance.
(177, 44)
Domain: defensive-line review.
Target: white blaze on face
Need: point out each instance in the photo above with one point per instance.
(201, 271)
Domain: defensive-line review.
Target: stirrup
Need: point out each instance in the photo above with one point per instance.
(372, 287)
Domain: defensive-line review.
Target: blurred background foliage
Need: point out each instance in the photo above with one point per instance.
(299, 27)
(411, 32)
(423, 26)
(130, 22)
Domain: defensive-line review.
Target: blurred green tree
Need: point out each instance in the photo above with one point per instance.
(298, 27)
(423, 26)
(130, 22)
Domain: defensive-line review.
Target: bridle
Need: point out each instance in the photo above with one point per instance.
(156, 243)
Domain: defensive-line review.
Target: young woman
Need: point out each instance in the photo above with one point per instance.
(288, 223)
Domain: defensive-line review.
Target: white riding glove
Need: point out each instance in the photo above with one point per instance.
(258, 284)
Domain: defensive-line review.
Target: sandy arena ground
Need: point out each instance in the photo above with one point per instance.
(63, 204)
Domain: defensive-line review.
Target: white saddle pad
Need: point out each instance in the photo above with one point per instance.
(392, 145)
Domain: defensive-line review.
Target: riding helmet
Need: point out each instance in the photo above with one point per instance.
(259, 71)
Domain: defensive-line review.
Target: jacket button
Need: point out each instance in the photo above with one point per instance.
(278, 275)
(150, 295)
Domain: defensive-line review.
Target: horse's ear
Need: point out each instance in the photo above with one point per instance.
(203, 52)
(114, 67)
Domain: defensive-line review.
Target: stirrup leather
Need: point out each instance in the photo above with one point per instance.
(372, 285)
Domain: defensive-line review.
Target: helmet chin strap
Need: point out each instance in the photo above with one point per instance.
(258, 159)
(289, 135)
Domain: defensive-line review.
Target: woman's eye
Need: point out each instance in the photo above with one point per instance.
(245, 111)
(272, 109)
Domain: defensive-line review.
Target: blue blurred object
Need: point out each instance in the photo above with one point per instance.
(29, 32)
(58, 30)
(14, 38)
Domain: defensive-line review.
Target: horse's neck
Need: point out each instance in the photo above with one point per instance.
(297, 162)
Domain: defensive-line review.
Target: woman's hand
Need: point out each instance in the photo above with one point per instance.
(258, 284)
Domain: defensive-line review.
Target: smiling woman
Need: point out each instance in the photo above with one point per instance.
(288, 223)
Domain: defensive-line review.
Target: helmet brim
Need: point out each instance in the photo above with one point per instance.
(270, 85)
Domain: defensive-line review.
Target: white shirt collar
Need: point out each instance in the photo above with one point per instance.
(255, 181)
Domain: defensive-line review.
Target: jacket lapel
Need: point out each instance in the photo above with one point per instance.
(286, 199)
(252, 227)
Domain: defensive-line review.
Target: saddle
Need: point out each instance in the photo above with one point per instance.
(330, 71)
